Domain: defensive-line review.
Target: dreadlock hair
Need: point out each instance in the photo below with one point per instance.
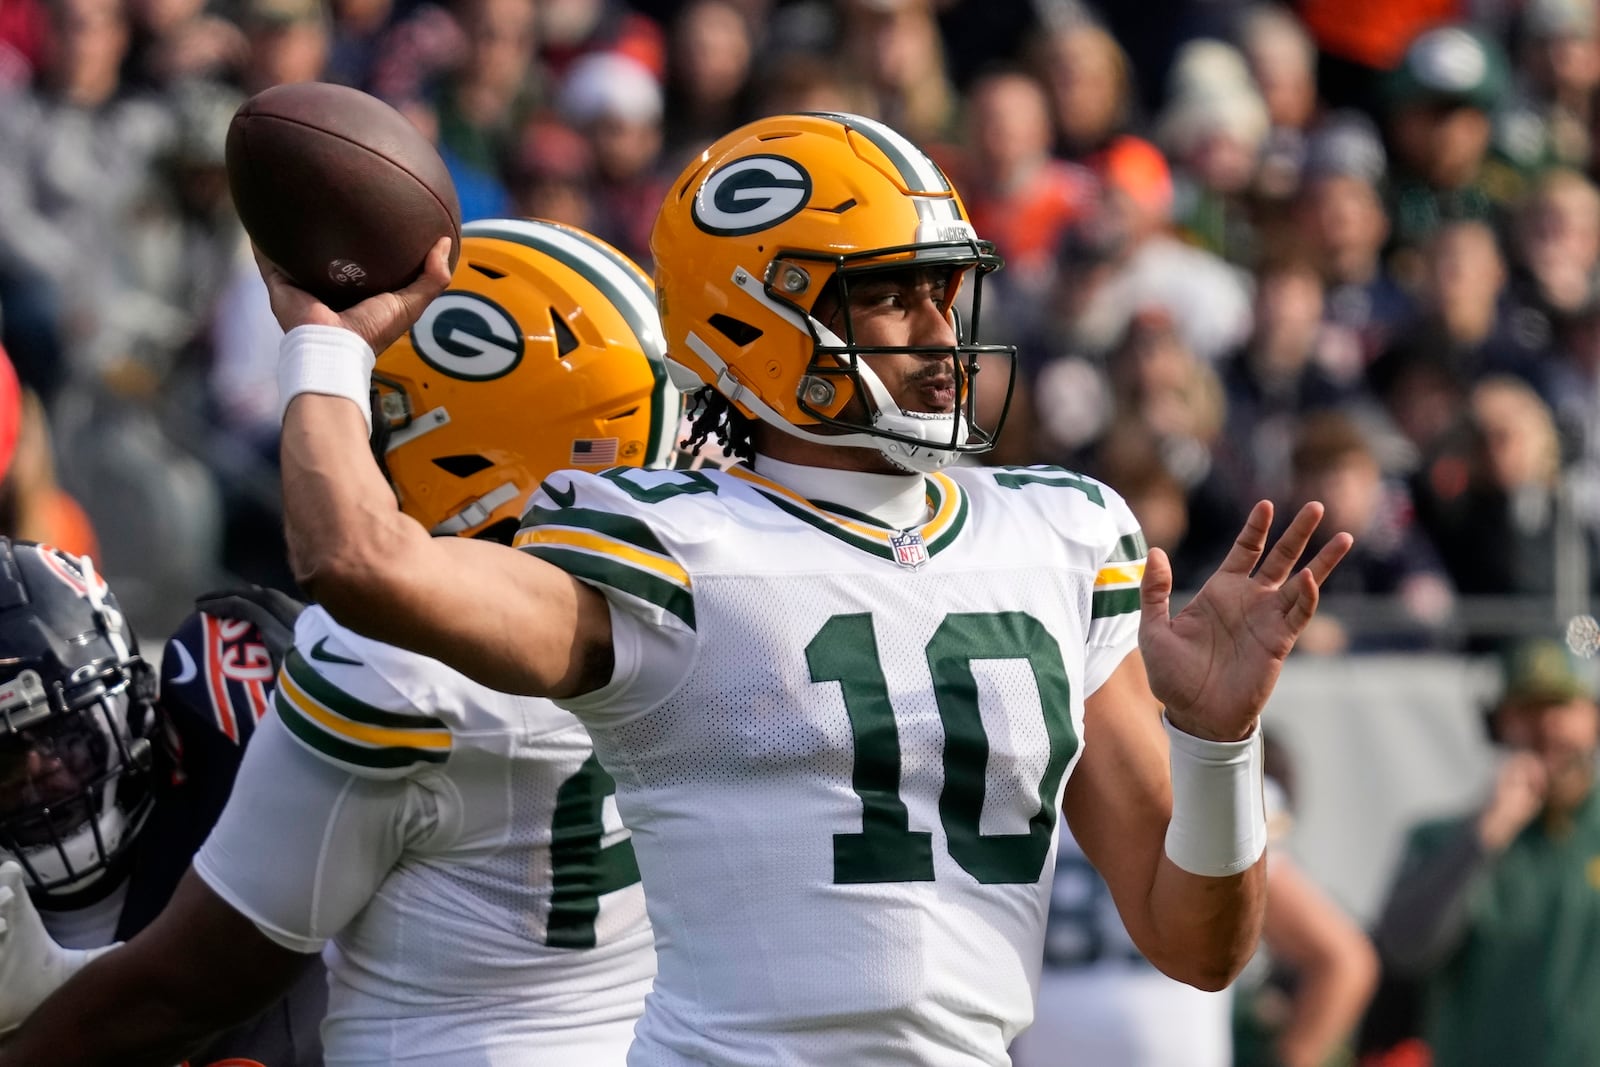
(712, 415)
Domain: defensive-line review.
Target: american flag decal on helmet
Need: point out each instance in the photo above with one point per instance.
(594, 452)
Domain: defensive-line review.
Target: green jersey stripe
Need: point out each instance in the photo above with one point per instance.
(617, 527)
(342, 751)
(343, 704)
(1109, 602)
(821, 522)
(947, 537)
(612, 573)
(1130, 548)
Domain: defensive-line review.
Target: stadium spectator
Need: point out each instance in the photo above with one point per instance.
(552, 174)
(1555, 250)
(1213, 128)
(1492, 498)
(174, 41)
(793, 81)
(359, 27)
(1341, 217)
(1550, 122)
(1496, 911)
(1086, 73)
(76, 157)
(571, 29)
(895, 48)
(709, 57)
(616, 103)
(1359, 42)
(1461, 335)
(1438, 118)
(1159, 384)
(1208, 299)
(288, 41)
(1333, 459)
(1019, 196)
(482, 104)
(1293, 365)
(1283, 64)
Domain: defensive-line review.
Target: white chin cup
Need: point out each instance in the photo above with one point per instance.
(919, 459)
(935, 428)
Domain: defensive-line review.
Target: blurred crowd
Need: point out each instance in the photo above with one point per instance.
(1328, 249)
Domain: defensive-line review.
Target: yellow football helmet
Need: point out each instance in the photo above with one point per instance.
(545, 353)
(779, 212)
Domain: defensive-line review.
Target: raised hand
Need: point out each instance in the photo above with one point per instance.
(379, 320)
(1215, 663)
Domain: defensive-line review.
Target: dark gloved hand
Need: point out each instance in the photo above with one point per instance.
(273, 614)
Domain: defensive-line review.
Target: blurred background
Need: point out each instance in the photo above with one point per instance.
(1323, 249)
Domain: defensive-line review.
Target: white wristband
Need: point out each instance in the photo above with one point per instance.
(328, 360)
(1219, 818)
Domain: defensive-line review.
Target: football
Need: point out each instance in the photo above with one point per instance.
(339, 190)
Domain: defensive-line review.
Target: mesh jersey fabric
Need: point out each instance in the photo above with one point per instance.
(479, 891)
(841, 748)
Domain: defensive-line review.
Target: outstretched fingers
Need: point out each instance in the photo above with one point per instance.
(1329, 556)
(1304, 592)
(1278, 565)
(1251, 542)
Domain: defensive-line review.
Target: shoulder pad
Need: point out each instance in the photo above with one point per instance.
(614, 530)
(336, 698)
(1088, 511)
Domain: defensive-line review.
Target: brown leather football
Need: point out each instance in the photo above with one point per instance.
(339, 189)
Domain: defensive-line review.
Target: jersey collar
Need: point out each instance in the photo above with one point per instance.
(947, 509)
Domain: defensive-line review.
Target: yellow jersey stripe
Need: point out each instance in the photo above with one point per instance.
(381, 736)
(585, 539)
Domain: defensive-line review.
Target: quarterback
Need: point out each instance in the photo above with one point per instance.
(454, 852)
(846, 687)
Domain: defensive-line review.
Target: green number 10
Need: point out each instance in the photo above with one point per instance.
(845, 650)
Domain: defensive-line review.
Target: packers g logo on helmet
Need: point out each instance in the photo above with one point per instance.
(468, 336)
(748, 241)
(750, 195)
(544, 353)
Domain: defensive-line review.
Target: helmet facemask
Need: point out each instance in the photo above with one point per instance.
(75, 764)
(841, 390)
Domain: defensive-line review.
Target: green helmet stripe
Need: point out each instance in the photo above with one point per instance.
(620, 283)
(919, 172)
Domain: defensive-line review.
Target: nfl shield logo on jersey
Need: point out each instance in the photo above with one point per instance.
(909, 551)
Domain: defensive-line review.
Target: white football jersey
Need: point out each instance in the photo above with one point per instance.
(459, 847)
(841, 748)
(1101, 1003)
